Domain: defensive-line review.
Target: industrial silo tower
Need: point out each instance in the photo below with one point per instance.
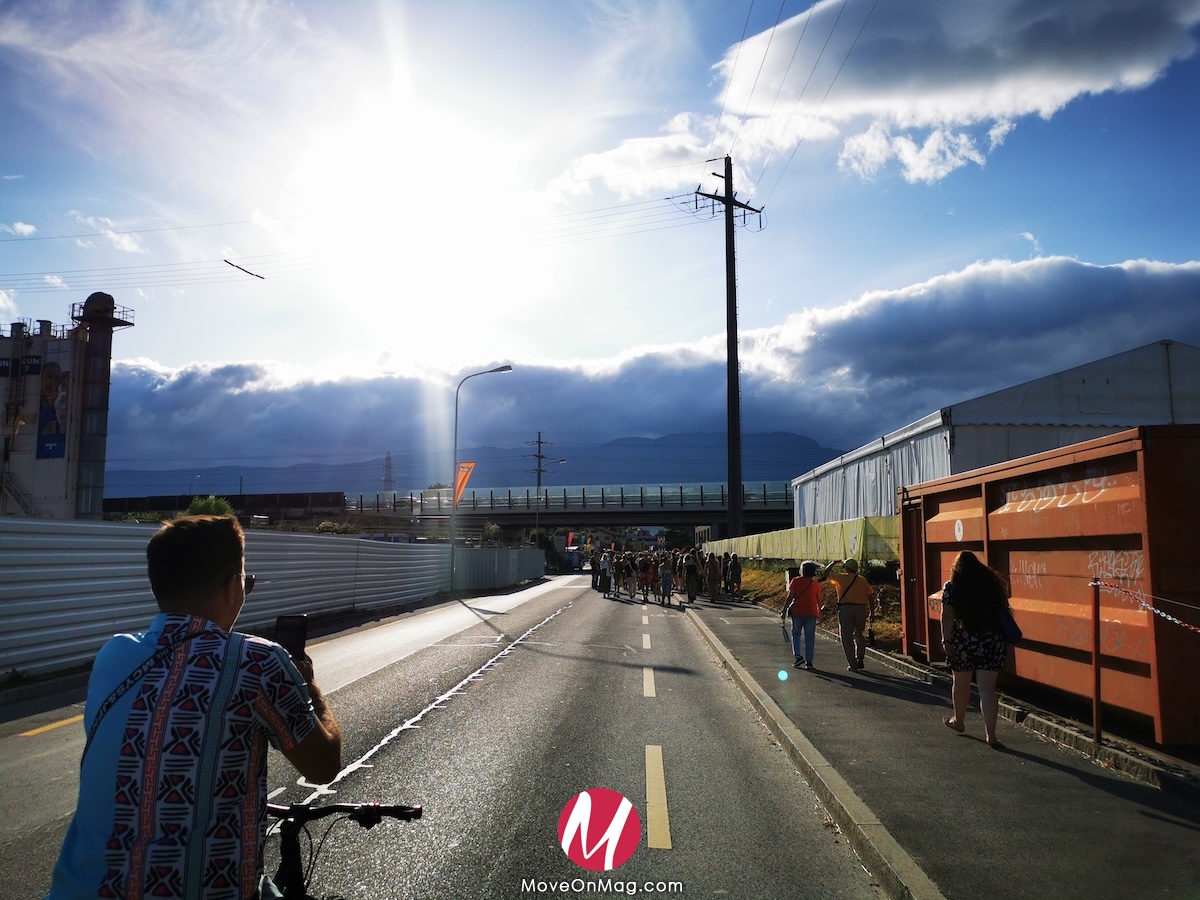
(55, 382)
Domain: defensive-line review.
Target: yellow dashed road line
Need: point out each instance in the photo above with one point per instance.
(648, 682)
(52, 726)
(658, 823)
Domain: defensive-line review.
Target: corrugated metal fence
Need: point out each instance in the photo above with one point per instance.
(67, 586)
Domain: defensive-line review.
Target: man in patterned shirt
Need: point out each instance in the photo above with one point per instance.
(172, 786)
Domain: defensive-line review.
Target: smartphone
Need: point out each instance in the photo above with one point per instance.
(291, 632)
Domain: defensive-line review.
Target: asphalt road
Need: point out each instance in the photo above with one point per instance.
(493, 714)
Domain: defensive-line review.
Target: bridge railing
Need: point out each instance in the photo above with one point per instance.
(776, 495)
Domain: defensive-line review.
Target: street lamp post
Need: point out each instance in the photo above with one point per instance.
(454, 478)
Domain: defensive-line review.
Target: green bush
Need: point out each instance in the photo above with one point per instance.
(142, 517)
(209, 506)
(328, 527)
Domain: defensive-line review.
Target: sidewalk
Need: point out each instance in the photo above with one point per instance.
(936, 814)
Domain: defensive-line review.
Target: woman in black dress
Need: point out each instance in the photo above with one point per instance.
(971, 638)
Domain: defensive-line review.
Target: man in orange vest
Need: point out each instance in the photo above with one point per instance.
(856, 607)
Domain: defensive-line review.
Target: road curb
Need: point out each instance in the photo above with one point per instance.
(898, 874)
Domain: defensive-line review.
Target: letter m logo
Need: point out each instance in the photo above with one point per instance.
(599, 820)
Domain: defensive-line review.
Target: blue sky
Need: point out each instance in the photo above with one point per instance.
(956, 198)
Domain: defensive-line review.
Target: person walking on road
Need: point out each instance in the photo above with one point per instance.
(972, 640)
(630, 573)
(712, 571)
(606, 573)
(856, 606)
(665, 581)
(735, 577)
(691, 576)
(803, 604)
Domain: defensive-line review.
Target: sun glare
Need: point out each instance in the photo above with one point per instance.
(417, 228)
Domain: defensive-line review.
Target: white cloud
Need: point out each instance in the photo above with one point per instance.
(121, 240)
(55, 281)
(21, 229)
(940, 154)
(638, 166)
(866, 153)
(195, 82)
(998, 132)
(988, 326)
(926, 83)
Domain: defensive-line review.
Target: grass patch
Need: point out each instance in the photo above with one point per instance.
(768, 587)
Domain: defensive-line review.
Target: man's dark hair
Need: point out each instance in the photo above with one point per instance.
(191, 557)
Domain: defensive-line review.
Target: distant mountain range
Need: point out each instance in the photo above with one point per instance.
(698, 458)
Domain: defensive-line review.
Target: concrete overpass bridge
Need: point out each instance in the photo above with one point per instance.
(766, 506)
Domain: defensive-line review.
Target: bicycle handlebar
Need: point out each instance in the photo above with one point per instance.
(367, 815)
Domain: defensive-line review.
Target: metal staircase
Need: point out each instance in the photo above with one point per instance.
(9, 486)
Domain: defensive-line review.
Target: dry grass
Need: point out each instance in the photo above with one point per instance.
(768, 588)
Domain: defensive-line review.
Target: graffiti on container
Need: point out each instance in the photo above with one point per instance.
(1027, 573)
(1118, 565)
(1125, 568)
(1116, 638)
(933, 606)
(1027, 497)
(1073, 632)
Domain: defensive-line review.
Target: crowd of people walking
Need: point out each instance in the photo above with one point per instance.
(973, 599)
(666, 575)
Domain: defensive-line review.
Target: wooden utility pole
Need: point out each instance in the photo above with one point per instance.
(733, 390)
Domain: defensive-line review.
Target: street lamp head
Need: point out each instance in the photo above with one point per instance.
(500, 369)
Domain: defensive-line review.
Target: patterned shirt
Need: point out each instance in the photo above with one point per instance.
(172, 792)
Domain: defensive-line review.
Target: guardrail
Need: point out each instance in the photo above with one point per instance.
(776, 495)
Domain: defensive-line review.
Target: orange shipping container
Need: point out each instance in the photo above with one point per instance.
(1119, 510)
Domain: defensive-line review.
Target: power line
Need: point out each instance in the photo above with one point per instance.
(800, 96)
(853, 44)
(782, 82)
(126, 233)
(729, 83)
(622, 220)
(757, 75)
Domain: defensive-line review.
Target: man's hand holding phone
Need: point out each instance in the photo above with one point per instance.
(291, 633)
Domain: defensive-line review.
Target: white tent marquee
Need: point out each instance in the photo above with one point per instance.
(1155, 384)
